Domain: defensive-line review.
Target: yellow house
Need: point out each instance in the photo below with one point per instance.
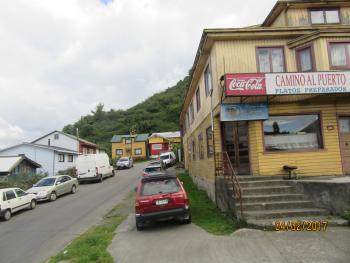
(272, 95)
(163, 141)
(130, 145)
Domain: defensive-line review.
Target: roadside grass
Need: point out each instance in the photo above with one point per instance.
(23, 181)
(205, 213)
(346, 216)
(92, 245)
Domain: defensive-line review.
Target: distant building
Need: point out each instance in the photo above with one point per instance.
(162, 141)
(51, 158)
(12, 165)
(67, 141)
(130, 145)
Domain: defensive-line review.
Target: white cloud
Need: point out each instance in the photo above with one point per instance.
(59, 58)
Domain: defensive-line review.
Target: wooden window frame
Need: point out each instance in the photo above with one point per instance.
(270, 58)
(127, 139)
(313, 61)
(200, 146)
(324, 15)
(322, 143)
(70, 158)
(59, 158)
(198, 99)
(207, 71)
(329, 48)
(136, 149)
(116, 152)
(193, 146)
(191, 110)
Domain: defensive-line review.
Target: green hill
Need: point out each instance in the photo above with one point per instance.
(158, 113)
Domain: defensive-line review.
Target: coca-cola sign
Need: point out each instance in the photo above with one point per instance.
(245, 84)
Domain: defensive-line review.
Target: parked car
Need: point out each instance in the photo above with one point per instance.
(159, 197)
(93, 167)
(125, 162)
(50, 188)
(13, 200)
(160, 162)
(168, 158)
(153, 168)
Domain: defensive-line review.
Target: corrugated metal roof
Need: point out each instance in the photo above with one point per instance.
(69, 135)
(138, 137)
(52, 148)
(175, 134)
(8, 163)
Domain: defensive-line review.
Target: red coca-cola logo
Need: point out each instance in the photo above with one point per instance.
(245, 84)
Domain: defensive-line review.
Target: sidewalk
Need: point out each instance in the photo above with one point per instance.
(170, 242)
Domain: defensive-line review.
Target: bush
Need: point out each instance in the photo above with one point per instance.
(23, 181)
(69, 171)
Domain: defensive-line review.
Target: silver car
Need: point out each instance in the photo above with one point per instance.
(125, 162)
(49, 188)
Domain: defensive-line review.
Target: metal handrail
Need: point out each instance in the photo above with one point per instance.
(226, 169)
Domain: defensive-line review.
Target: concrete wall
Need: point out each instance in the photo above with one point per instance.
(224, 197)
(334, 196)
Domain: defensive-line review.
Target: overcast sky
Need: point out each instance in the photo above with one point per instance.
(60, 58)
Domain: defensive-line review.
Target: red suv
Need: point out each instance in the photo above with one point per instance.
(160, 197)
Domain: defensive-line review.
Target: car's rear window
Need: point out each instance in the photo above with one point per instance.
(160, 187)
(164, 157)
(123, 159)
(152, 169)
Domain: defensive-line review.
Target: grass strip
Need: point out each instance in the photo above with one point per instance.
(92, 245)
(205, 213)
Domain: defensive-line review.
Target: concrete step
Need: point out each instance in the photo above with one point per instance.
(242, 178)
(262, 206)
(284, 213)
(268, 190)
(273, 197)
(245, 184)
(269, 224)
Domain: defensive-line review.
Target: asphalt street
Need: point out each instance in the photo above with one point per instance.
(33, 236)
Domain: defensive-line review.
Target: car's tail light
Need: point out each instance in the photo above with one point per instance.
(137, 206)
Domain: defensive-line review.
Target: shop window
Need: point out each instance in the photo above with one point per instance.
(70, 158)
(292, 133)
(198, 99)
(339, 55)
(305, 59)
(344, 124)
(138, 151)
(324, 16)
(208, 81)
(200, 146)
(271, 59)
(210, 148)
(61, 158)
(119, 151)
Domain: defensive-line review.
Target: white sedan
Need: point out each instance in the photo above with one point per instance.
(13, 200)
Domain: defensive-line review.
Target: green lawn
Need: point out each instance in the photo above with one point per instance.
(205, 213)
(92, 245)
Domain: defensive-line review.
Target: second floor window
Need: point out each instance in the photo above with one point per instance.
(325, 16)
(198, 99)
(191, 113)
(305, 59)
(208, 82)
(61, 158)
(339, 55)
(271, 59)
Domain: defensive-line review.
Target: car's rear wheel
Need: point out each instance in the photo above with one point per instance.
(113, 173)
(53, 196)
(139, 225)
(32, 204)
(7, 215)
(73, 190)
(100, 179)
(187, 219)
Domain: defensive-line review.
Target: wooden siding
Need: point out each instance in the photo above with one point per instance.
(132, 147)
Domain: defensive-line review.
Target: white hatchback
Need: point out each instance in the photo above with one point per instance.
(13, 200)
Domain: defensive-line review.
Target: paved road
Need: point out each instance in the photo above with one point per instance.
(174, 243)
(34, 236)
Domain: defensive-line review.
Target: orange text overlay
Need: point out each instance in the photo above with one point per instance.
(299, 225)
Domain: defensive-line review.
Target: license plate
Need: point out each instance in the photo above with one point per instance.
(162, 202)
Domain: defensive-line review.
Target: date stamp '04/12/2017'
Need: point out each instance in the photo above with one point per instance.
(299, 225)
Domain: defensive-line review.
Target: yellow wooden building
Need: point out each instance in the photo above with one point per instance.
(272, 95)
(130, 145)
(163, 141)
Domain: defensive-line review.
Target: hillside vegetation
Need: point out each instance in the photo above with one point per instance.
(158, 113)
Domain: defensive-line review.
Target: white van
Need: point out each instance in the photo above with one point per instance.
(93, 167)
(168, 158)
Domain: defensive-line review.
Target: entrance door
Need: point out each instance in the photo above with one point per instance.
(344, 132)
(236, 145)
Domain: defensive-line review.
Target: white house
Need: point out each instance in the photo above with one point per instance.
(51, 158)
(67, 141)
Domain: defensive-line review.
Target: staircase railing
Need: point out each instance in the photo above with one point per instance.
(224, 167)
